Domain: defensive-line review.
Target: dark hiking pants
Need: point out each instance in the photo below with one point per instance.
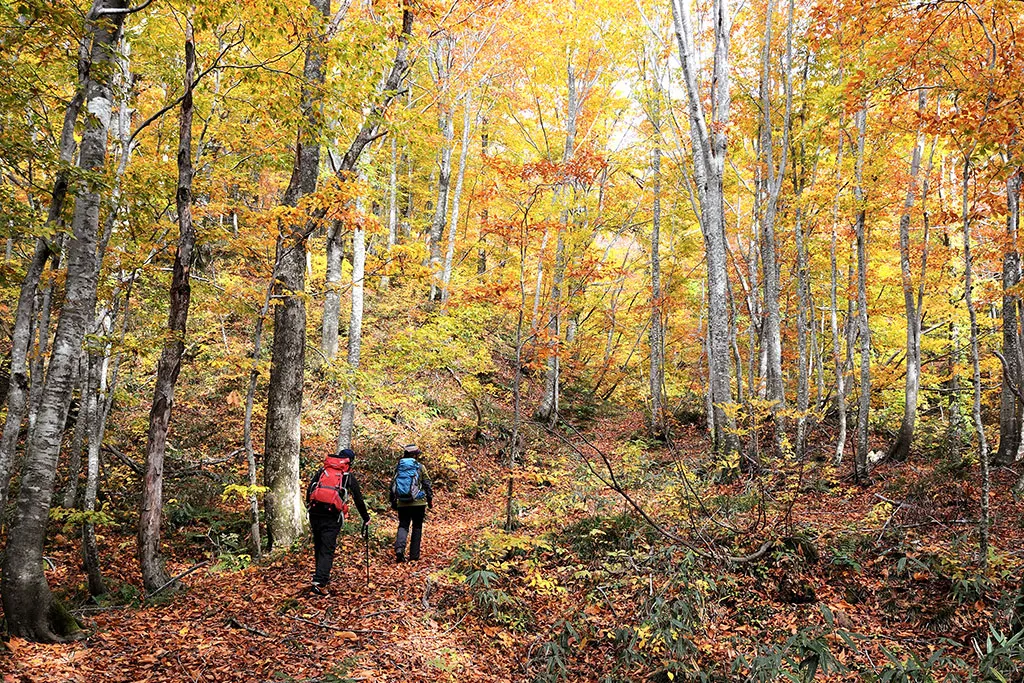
(325, 538)
(414, 514)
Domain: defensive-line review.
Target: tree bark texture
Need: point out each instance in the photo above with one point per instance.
(169, 366)
(29, 607)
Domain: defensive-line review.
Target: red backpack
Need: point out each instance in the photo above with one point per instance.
(331, 488)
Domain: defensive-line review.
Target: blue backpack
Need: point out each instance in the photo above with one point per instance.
(405, 487)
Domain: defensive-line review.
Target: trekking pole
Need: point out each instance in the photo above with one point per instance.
(366, 546)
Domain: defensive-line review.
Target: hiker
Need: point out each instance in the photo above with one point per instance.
(411, 495)
(327, 500)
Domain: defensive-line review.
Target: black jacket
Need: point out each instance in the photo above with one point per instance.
(353, 491)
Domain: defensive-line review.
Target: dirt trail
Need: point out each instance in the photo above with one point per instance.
(261, 624)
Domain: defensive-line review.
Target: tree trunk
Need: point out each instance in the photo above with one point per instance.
(900, 448)
(983, 521)
(250, 397)
(1010, 408)
(861, 461)
(481, 252)
(548, 409)
(43, 335)
(449, 256)
(804, 325)
(709, 149)
(94, 418)
(385, 280)
(440, 55)
(355, 330)
(169, 366)
(285, 513)
(21, 336)
(77, 441)
(332, 297)
(769, 183)
(29, 607)
(656, 336)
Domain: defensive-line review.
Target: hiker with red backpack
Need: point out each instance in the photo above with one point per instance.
(411, 495)
(327, 500)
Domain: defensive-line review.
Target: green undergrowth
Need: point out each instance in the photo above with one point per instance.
(608, 599)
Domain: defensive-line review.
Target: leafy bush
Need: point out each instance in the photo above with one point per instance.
(594, 537)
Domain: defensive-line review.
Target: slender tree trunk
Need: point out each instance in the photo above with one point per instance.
(656, 337)
(481, 253)
(861, 462)
(548, 409)
(43, 335)
(355, 331)
(385, 280)
(95, 385)
(169, 366)
(984, 521)
(29, 607)
(1010, 408)
(900, 448)
(766, 184)
(804, 324)
(250, 396)
(440, 55)
(285, 513)
(332, 296)
(449, 256)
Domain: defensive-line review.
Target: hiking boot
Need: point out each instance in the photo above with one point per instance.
(414, 559)
(317, 589)
(399, 557)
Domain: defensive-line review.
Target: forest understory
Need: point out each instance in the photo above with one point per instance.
(859, 582)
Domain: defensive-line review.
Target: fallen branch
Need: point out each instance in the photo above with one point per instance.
(182, 575)
(114, 451)
(235, 623)
(332, 627)
(613, 483)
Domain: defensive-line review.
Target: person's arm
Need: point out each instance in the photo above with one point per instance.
(357, 498)
(427, 487)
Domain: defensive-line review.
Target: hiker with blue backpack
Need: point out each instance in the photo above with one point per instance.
(327, 500)
(411, 495)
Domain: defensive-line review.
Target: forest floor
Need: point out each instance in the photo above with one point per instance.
(261, 623)
(892, 569)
